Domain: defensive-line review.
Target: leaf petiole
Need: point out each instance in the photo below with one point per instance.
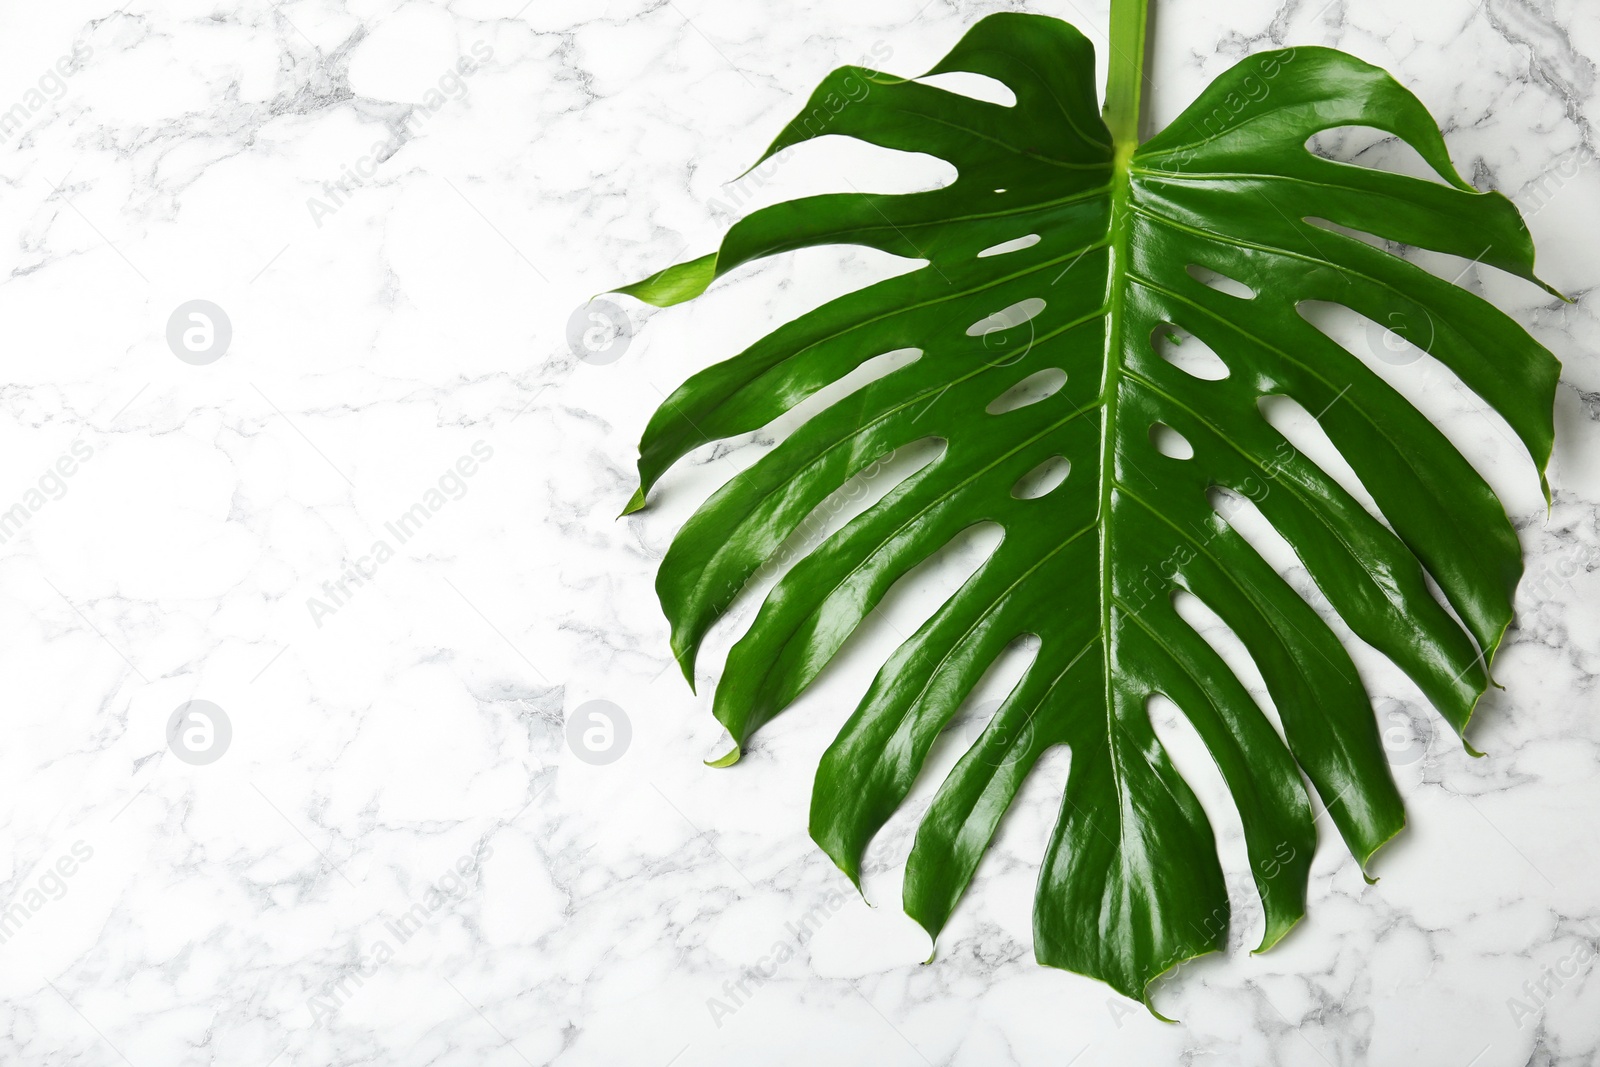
(1125, 69)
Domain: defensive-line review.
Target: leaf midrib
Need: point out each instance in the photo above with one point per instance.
(1111, 372)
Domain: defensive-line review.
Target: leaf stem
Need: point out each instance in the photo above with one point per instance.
(1125, 69)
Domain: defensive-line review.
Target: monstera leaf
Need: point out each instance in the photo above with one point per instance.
(1102, 244)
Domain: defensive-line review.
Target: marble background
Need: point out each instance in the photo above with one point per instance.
(397, 856)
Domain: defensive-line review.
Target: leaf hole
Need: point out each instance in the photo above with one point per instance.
(1220, 282)
(1309, 439)
(1007, 318)
(1457, 270)
(866, 487)
(1372, 239)
(806, 399)
(1224, 501)
(1188, 353)
(972, 718)
(1242, 514)
(1040, 385)
(1043, 479)
(1370, 147)
(860, 491)
(1025, 829)
(1400, 341)
(1170, 442)
(833, 164)
(1195, 765)
(1393, 348)
(924, 589)
(823, 395)
(977, 86)
(1014, 245)
(1247, 521)
(1184, 746)
(1210, 628)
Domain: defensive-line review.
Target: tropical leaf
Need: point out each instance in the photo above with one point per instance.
(1205, 227)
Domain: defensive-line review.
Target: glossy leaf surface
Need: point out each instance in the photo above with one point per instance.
(1205, 228)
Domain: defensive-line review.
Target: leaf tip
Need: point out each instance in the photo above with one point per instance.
(674, 284)
(933, 938)
(1144, 994)
(684, 653)
(929, 923)
(771, 150)
(1552, 290)
(1365, 862)
(635, 503)
(727, 759)
(1276, 931)
(844, 856)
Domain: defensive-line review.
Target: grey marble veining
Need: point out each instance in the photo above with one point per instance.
(378, 533)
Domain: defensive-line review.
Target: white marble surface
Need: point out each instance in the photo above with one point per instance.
(240, 911)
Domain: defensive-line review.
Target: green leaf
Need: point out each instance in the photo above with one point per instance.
(1130, 884)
